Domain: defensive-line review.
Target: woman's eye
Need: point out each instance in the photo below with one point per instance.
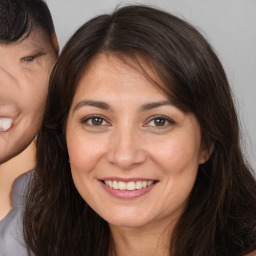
(27, 59)
(95, 121)
(159, 122)
(31, 58)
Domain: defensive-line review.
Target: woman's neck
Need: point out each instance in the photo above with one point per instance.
(10, 171)
(144, 241)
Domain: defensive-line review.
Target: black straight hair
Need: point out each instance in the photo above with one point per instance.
(19, 17)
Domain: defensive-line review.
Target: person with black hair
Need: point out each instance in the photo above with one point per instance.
(139, 149)
(28, 52)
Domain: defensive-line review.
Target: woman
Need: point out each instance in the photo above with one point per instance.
(28, 50)
(139, 151)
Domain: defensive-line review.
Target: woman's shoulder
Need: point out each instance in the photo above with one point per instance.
(19, 189)
(11, 227)
(11, 234)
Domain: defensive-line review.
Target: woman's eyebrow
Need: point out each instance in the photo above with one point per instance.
(32, 45)
(151, 105)
(105, 106)
(92, 103)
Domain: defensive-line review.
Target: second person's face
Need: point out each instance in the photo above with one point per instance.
(24, 71)
(134, 156)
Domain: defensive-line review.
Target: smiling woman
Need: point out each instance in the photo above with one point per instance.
(139, 151)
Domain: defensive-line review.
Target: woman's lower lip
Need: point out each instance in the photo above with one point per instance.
(127, 194)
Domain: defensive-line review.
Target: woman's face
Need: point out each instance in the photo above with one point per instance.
(24, 70)
(134, 156)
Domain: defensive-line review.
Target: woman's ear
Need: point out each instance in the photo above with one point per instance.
(206, 151)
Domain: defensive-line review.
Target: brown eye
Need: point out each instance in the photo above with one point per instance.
(97, 121)
(159, 121)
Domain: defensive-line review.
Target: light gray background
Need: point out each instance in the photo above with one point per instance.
(229, 25)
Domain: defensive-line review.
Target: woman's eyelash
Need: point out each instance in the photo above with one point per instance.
(156, 121)
(30, 58)
(95, 121)
(160, 121)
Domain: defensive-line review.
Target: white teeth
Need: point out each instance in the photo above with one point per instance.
(114, 184)
(110, 183)
(138, 185)
(150, 183)
(144, 184)
(5, 123)
(131, 185)
(121, 185)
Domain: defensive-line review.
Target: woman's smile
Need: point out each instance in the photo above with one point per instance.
(128, 189)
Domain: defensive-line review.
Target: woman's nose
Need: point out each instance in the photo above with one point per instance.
(126, 149)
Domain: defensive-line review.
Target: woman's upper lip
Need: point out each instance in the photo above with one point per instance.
(127, 179)
(9, 112)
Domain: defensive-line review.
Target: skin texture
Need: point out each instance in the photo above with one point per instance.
(125, 143)
(24, 69)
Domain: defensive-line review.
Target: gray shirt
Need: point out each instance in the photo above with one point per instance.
(11, 231)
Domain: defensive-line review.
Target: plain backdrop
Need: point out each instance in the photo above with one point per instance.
(229, 25)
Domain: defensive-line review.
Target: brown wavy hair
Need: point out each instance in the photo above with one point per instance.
(220, 217)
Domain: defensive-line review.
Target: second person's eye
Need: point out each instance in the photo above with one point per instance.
(27, 59)
(32, 57)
